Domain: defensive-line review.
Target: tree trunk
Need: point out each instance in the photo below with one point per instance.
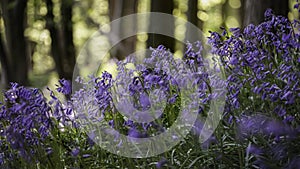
(225, 13)
(118, 9)
(15, 52)
(192, 12)
(62, 45)
(4, 66)
(254, 10)
(69, 54)
(55, 40)
(193, 19)
(154, 40)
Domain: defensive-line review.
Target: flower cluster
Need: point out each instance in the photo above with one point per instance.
(62, 111)
(263, 62)
(65, 87)
(25, 118)
(260, 68)
(93, 101)
(262, 65)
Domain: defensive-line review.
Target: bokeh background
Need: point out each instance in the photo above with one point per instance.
(41, 39)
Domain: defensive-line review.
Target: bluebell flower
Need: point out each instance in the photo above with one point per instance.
(86, 155)
(2, 158)
(252, 149)
(294, 163)
(65, 87)
(75, 152)
(144, 101)
(161, 163)
(26, 119)
(135, 133)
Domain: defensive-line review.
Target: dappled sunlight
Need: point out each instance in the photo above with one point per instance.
(149, 84)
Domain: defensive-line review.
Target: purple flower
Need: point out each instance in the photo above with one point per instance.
(62, 112)
(135, 133)
(161, 163)
(102, 91)
(65, 87)
(294, 163)
(173, 99)
(252, 149)
(75, 152)
(2, 156)
(144, 101)
(86, 155)
(26, 120)
(236, 31)
(262, 125)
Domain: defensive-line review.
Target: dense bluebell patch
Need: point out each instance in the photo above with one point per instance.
(259, 129)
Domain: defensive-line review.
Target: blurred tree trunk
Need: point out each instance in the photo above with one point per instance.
(62, 45)
(69, 54)
(192, 13)
(154, 40)
(55, 42)
(225, 12)
(4, 65)
(254, 9)
(14, 55)
(193, 19)
(118, 9)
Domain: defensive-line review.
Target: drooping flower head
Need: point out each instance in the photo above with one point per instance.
(25, 118)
